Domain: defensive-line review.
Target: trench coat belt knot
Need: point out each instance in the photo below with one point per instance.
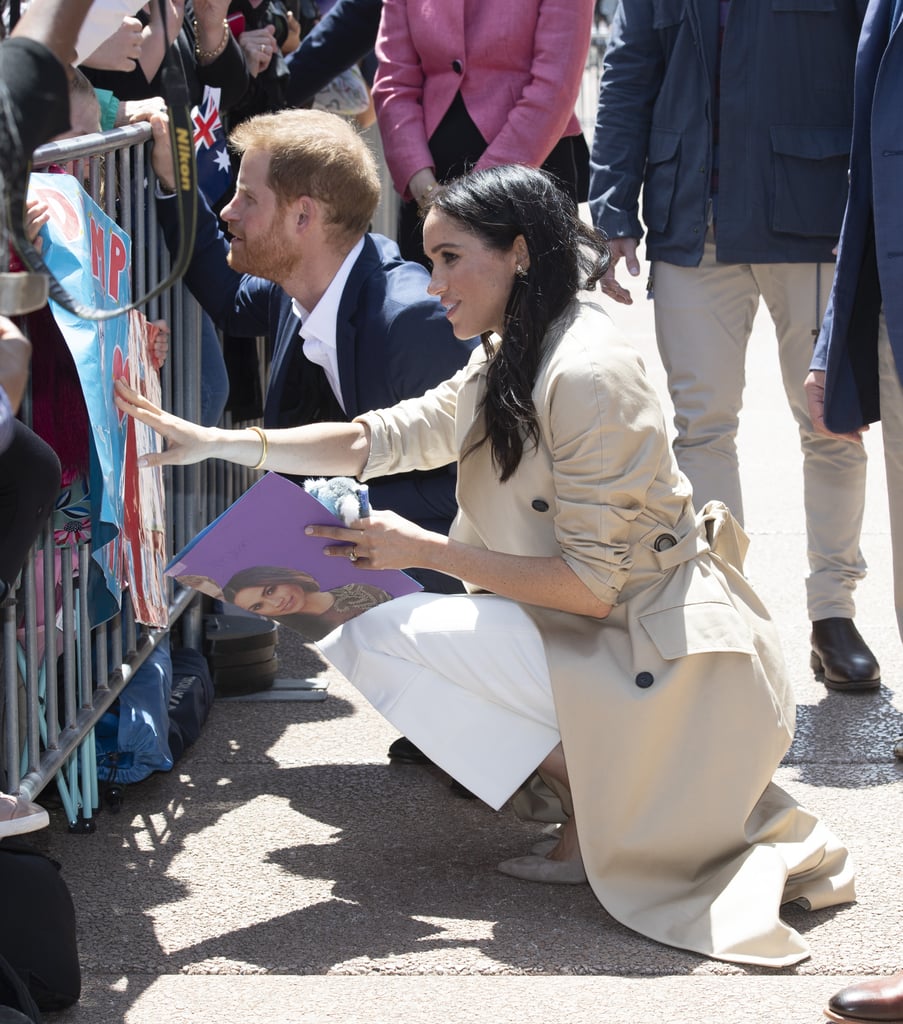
(716, 532)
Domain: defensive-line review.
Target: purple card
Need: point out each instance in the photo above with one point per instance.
(257, 557)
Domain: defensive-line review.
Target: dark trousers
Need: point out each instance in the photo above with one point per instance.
(456, 145)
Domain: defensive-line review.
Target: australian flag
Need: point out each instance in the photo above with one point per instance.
(214, 165)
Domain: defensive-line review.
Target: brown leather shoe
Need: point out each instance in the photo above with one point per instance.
(879, 1001)
(841, 658)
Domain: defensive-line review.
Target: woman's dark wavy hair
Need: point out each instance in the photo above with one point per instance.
(566, 255)
(264, 575)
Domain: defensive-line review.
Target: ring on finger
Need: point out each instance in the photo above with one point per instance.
(352, 554)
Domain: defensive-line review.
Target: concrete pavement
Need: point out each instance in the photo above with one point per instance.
(284, 872)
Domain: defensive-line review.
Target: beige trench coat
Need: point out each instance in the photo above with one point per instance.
(675, 710)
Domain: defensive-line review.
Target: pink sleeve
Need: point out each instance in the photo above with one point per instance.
(538, 119)
(398, 97)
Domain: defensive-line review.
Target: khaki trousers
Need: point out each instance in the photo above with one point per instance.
(703, 320)
(892, 431)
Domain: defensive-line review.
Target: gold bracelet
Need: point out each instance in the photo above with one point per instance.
(210, 54)
(264, 445)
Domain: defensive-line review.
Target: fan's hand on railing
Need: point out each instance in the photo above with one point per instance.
(161, 152)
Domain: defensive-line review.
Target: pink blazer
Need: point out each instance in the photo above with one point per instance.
(517, 63)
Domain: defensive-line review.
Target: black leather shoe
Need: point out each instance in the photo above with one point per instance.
(403, 751)
(841, 658)
(879, 1001)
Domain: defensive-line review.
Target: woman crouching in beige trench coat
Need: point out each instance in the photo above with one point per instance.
(609, 641)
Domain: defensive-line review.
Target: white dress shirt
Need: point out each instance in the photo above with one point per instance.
(318, 326)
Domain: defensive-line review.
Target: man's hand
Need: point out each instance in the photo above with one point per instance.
(161, 152)
(815, 399)
(620, 248)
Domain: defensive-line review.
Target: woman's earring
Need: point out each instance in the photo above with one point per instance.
(520, 271)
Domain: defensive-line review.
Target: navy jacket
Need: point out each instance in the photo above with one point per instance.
(869, 271)
(393, 342)
(344, 36)
(786, 114)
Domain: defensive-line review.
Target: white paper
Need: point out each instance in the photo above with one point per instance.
(102, 21)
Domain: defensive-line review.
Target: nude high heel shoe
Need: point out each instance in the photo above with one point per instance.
(540, 869)
(544, 846)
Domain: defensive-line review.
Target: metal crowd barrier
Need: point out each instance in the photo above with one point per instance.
(58, 682)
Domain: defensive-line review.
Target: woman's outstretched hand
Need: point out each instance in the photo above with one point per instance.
(185, 442)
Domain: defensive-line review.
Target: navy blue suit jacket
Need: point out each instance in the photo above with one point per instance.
(344, 36)
(392, 340)
(870, 255)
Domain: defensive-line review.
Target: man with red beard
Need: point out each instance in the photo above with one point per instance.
(351, 323)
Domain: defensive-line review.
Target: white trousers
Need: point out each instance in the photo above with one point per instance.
(464, 677)
(892, 432)
(703, 321)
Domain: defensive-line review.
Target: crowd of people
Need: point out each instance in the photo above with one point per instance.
(583, 578)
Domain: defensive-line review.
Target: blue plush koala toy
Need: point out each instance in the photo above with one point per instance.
(342, 495)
